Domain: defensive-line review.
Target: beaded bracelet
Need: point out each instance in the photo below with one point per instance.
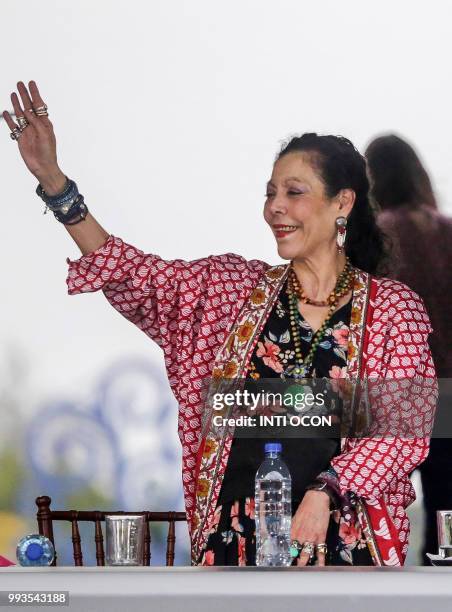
(67, 206)
(63, 200)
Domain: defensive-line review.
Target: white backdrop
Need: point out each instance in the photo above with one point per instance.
(168, 114)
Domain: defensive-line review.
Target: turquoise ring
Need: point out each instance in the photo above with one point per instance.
(295, 549)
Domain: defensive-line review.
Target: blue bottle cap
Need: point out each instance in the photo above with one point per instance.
(34, 551)
(273, 447)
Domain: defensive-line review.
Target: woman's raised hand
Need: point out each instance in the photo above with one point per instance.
(37, 145)
(36, 141)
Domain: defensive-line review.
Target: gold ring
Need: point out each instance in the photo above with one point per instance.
(41, 111)
(322, 548)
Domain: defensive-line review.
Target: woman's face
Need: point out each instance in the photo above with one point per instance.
(297, 209)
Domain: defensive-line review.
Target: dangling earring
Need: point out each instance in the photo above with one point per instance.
(341, 225)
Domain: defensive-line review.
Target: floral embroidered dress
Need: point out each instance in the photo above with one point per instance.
(232, 539)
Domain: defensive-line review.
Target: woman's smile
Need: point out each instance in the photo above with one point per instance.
(281, 231)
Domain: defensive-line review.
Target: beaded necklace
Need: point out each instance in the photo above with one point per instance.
(295, 292)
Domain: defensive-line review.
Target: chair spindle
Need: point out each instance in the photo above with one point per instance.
(76, 542)
(171, 540)
(99, 539)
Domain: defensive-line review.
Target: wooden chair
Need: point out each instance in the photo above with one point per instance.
(46, 516)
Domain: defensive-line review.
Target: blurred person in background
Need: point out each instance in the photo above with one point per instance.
(422, 258)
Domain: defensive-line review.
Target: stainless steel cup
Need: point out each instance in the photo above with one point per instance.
(124, 539)
(444, 524)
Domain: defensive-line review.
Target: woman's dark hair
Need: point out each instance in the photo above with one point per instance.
(397, 175)
(341, 166)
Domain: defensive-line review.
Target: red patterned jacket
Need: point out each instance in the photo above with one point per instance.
(207, 315)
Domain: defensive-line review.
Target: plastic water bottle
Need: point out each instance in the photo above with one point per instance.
(35, 550)
(273, 509)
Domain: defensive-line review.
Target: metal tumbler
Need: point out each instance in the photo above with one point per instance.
(124, 539)
(444, 523)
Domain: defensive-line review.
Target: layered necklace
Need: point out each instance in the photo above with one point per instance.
(295, 291)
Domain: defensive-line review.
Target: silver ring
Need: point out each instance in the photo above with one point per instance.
(22, 123)
(15, 133)
(308, 547)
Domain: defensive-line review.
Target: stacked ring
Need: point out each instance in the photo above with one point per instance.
(15, 133)
(41, 111)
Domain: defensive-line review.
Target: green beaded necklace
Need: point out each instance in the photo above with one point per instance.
(343, 286)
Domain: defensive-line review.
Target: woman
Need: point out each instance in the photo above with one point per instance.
(211, 317)
(422, 237)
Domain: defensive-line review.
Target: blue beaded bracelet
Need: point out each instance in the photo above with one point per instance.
(61, 201)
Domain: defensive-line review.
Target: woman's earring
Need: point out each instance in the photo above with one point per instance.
(341, 226)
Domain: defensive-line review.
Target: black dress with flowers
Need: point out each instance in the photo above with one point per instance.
(232, 536)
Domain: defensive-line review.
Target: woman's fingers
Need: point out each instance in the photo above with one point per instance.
(11, 123)
(27, 111)
(320, 558)
(9, 120)
(305, 555)
(18, 110)
(303, 559)
(26, 100)
(310, 525)
(37, 101)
